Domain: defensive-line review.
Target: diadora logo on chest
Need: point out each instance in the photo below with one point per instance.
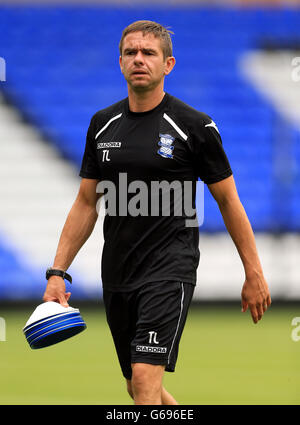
(106, 145)
(166, 148)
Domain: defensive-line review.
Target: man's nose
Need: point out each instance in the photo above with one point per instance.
(139, 58)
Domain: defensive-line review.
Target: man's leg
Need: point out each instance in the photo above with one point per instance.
(167, 398)
(146, 385)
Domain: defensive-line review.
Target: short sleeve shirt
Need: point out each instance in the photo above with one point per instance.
(145, 234)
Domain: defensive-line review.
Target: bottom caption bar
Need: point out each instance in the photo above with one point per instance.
(142, 414)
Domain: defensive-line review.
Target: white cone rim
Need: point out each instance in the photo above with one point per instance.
(46, 309)
(46, 319)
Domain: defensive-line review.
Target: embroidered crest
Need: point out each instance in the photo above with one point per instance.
(166, 147)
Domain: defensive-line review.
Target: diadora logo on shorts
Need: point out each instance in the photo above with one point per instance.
(166, 148)
(147, 349)
(152, 339)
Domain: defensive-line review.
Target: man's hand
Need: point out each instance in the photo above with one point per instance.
(56, 291)
(256, 296)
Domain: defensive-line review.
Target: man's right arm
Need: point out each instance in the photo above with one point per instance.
(78, 227)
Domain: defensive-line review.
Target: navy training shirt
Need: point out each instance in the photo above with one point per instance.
(144, 239)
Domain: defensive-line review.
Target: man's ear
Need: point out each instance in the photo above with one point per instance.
(170, 63)
(120, 63)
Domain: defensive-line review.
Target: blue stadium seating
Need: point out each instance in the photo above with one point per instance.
(63, 67)
(19, 281)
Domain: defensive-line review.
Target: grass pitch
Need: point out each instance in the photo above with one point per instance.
(223, 359)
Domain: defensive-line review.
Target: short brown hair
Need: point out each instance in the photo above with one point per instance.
(150, 27)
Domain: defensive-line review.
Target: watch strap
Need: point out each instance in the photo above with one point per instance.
(57, 272)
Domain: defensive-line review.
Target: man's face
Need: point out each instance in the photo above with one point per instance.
(142, 61)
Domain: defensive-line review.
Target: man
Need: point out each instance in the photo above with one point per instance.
(149, 262)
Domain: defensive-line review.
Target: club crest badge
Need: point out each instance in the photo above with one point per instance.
(166, 148)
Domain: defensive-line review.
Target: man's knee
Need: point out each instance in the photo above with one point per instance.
(146, 376)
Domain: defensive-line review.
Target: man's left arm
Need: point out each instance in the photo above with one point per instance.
(255, 292)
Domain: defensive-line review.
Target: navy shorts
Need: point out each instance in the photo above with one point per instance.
(146, 324)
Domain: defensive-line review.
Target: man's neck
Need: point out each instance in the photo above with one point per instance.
(144, 101)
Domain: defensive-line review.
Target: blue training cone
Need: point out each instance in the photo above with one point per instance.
(51, 323)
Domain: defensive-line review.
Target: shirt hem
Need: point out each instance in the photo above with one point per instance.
(88, 175)
(136, 285)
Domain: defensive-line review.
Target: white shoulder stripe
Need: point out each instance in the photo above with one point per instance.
(107, 124)
(175, 126)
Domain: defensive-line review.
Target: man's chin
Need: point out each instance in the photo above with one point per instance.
(142, 86)
(139, 88)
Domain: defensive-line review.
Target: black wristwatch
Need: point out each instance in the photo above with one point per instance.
(56, 272)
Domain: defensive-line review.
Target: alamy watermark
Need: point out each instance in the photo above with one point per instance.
(2, 69)
(153, 198)
(295, 335)
(2, 329)
(296, 69)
